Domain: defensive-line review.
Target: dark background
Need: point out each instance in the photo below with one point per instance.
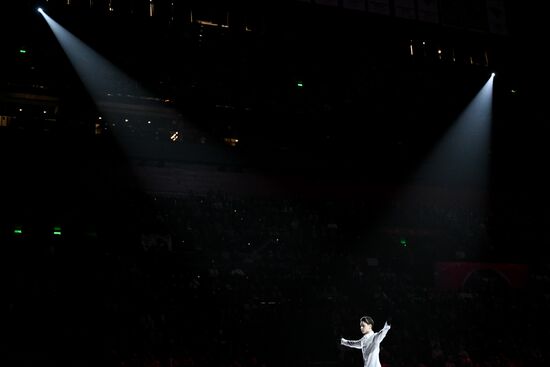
(196, 252)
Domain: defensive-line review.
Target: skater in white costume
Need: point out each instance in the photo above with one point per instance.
(370, 342)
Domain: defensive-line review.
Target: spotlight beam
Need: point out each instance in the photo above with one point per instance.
(462, 155)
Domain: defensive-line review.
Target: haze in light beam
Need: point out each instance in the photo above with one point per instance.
(452, 180)
(462, 156)
(99, 76)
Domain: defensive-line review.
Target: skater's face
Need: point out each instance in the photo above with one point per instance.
(365, 328)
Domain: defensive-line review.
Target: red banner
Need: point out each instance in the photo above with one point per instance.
(464, 275)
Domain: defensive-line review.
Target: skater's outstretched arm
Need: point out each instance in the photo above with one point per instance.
(351, 343)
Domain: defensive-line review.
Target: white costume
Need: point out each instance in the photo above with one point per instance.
(369, 345)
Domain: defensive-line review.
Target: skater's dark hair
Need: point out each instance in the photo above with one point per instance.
(367, 320)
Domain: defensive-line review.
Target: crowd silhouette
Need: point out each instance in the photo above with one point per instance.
(221, 280)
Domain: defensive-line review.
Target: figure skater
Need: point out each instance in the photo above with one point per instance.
(370, 342)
